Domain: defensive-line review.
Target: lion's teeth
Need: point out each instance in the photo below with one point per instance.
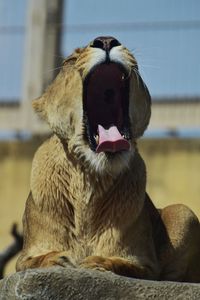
(96, 138)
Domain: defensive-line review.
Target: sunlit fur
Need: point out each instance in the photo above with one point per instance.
(61, 106)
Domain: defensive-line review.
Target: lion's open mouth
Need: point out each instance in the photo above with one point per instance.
(105, 105)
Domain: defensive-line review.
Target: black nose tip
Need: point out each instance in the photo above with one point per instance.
(105, 43)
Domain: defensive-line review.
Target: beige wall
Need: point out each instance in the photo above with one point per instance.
(15, 165)
(173, 170)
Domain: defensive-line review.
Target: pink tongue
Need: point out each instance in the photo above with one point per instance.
(111, 140)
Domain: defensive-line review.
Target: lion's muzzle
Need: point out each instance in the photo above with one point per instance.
(106, 103)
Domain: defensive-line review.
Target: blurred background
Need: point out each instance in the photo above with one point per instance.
(164, 36)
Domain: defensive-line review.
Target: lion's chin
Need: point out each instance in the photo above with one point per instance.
(104, 163)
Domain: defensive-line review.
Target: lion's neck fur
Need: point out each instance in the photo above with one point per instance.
(86, 197)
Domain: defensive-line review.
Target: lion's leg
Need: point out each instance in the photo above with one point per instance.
(49, 259)
(117, 265)
(183, 248)
(45, 238)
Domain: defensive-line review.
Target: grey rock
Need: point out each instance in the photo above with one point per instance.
(59, 283)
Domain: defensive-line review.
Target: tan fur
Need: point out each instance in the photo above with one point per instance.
(90, 210)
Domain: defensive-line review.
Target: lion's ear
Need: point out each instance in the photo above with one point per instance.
(140, 105)
(38, 105)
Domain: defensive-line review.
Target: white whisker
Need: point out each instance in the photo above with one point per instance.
(52, 70)
(149, 66)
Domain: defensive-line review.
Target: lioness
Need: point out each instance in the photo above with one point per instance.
(88, 206)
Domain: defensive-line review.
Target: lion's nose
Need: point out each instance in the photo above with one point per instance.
(105, 43)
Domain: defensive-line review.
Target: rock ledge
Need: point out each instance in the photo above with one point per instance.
(59, 283)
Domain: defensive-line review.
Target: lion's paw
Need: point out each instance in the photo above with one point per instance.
(57, 259)
(96, 263)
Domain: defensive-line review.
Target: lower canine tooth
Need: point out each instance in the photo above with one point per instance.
(123, 77)
(96, 138)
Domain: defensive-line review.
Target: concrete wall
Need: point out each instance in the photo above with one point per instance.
(173, 170)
